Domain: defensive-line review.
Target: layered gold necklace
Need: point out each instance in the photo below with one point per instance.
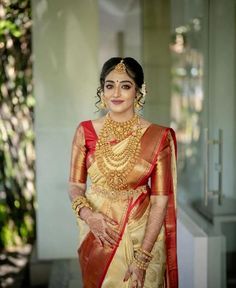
(116, 166)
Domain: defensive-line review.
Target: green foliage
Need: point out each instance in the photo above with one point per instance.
(17, 154)
(7, 27)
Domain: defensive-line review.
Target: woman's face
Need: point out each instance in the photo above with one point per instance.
(119, 92)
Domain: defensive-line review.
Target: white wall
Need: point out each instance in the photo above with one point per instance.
(65, 47)
(120, 29)
(156, 60)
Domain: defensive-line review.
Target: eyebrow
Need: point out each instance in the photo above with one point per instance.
(123, 81)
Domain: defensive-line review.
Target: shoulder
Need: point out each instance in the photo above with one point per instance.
(90, 122)
(98, 123)
(144, 123)
(168, 130)
(90, 128)
(165, 132)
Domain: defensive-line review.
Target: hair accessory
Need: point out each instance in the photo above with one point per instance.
(120, 67)
(143, 89)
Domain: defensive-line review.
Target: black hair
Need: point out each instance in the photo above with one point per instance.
(133, 69)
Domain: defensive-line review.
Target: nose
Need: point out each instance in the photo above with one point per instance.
(116, 92)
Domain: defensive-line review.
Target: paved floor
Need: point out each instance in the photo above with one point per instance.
(16, 271)
(65, 274)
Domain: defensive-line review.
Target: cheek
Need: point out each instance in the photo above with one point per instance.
(107, 93)
(131, 95)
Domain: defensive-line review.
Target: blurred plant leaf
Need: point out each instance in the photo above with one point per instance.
(17, 155)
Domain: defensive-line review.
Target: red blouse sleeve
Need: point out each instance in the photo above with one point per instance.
(78, 170)
(161, 178)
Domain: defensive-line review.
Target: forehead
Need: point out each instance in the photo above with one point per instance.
(116, 76)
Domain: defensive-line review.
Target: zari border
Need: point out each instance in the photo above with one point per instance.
(171, 275)
(114, 250)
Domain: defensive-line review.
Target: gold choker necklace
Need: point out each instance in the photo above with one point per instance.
(120, 130)
(117, 166)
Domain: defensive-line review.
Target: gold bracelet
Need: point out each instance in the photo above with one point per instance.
(78, 200)
(141, 264)
(79, 203)
(145, 252)
(143, 255)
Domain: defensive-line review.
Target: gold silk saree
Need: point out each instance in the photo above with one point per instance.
(153, 174)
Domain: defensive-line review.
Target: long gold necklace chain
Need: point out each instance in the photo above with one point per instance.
(117, 166)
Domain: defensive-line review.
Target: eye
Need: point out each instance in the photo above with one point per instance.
(109, 86)
(126, 87)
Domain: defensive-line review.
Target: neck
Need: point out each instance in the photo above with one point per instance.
(121, 117)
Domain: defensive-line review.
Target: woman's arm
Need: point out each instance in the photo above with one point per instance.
(161, 187)
(78, 169)
(97, 222)
(155, 221)
(76, 189)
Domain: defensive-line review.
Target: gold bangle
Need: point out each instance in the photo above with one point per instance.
(78, 200)
(143, 255)
(79, 203)
(145, 252)
(140, 264)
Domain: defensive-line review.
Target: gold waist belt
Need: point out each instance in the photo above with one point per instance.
(116, 195)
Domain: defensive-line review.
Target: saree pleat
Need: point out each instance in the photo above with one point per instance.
(105, 267)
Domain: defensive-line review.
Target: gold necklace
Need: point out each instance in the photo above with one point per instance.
(116, 166)
(120, 130)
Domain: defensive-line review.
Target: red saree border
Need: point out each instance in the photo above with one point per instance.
(171, 275)
(116, 247)
(158, 145)
(170, 222)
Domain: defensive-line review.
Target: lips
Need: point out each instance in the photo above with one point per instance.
(116, 102)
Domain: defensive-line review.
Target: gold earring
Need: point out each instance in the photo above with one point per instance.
(137, 106)
(102, 104)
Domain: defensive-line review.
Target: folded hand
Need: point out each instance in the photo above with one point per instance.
(100, 226)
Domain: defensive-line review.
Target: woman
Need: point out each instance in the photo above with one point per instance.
(127, 227)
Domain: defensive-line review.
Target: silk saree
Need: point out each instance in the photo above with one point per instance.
(153, 174)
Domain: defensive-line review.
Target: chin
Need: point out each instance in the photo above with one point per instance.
(118, 110)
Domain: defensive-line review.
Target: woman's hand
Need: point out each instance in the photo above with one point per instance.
(137, 276)
(99, 225)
